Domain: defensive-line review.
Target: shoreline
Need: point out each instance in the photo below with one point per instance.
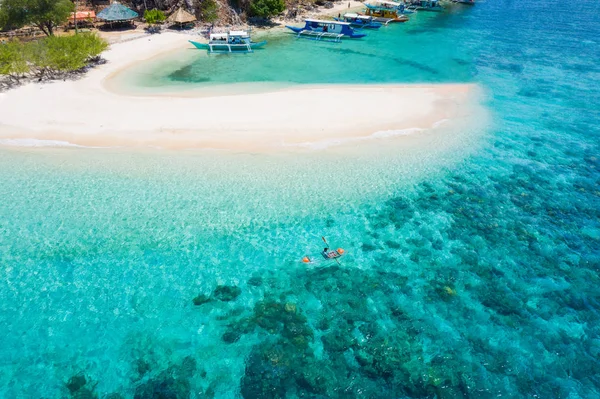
(88, 113)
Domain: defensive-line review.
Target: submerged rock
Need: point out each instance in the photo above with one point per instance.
(278, 370)
(200, 300)
(142, 367)
(188, 367)
(75, 383)
(165, 386)
(255, 281)
(84, 393)
(78, 389)
(290, 307)
(226, 293)
(231, 336)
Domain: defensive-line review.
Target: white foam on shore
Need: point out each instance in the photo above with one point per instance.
(324, 144)
(38, 143)
(440, 123)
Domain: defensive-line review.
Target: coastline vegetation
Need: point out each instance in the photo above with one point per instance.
(266, 8)
(54, 57)
(154, 16)
(209, 10)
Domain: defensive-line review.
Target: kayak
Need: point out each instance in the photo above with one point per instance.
(327, 255)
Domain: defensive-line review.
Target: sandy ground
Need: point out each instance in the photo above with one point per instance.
(86, 112)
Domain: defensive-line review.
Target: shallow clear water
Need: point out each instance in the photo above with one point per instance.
(469, 272)
(429, 48)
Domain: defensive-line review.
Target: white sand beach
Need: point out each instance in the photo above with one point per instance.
(87, 113)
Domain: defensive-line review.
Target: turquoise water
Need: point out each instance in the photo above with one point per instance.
(470, 272)
(429, 48)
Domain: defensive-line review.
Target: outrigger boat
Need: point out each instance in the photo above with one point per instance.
(426, 5)
(329, 31)
(231, 42)
(467, 2)
(360, 21)
(386, 11)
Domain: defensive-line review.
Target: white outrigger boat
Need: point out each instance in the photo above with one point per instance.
(235, 41)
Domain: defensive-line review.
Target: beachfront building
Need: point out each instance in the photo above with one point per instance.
(117, 13)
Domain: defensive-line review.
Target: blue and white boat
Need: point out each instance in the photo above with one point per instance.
(360, 21)
(425, 5)
(331, 31)
(230, 42)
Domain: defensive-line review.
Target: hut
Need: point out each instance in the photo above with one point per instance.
(82, 18)
(181, 17)
(117, 13)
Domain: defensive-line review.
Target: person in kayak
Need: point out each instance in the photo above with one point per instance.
(329, 255)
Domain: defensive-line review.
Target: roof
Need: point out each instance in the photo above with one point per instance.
(326, 22)
(355, 15)
(238, 33)
(117, 12)
(181, 16)
(391, 3)
(83, 15)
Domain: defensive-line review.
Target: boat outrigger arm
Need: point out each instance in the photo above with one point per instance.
(324, 36)
(230, 42)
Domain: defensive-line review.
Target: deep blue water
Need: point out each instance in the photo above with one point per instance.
(476, 280)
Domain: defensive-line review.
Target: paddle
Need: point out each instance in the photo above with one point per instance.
(326, 243)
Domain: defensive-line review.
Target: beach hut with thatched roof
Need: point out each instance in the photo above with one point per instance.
(116, 13)
(181, 17)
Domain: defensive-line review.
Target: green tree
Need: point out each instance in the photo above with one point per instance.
(154, 16)
(45, 14)
(209, 10)
(266, 8)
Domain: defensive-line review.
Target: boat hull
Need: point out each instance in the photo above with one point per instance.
(373, 25)
(391, 15)
(316, 31)
(228, 48)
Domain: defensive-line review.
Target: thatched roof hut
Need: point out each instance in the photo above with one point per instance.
(181, 17)
(117, 12)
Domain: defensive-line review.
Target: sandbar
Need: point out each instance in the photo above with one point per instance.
(86, 112)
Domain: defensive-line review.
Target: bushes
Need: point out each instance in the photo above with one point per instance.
(50, 57)
(266, 8)
(154, 16)
(13, 59)
(67, 53)
(209, 10)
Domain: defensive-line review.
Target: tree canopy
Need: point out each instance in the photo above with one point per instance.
(45, 14)
(266, 8)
